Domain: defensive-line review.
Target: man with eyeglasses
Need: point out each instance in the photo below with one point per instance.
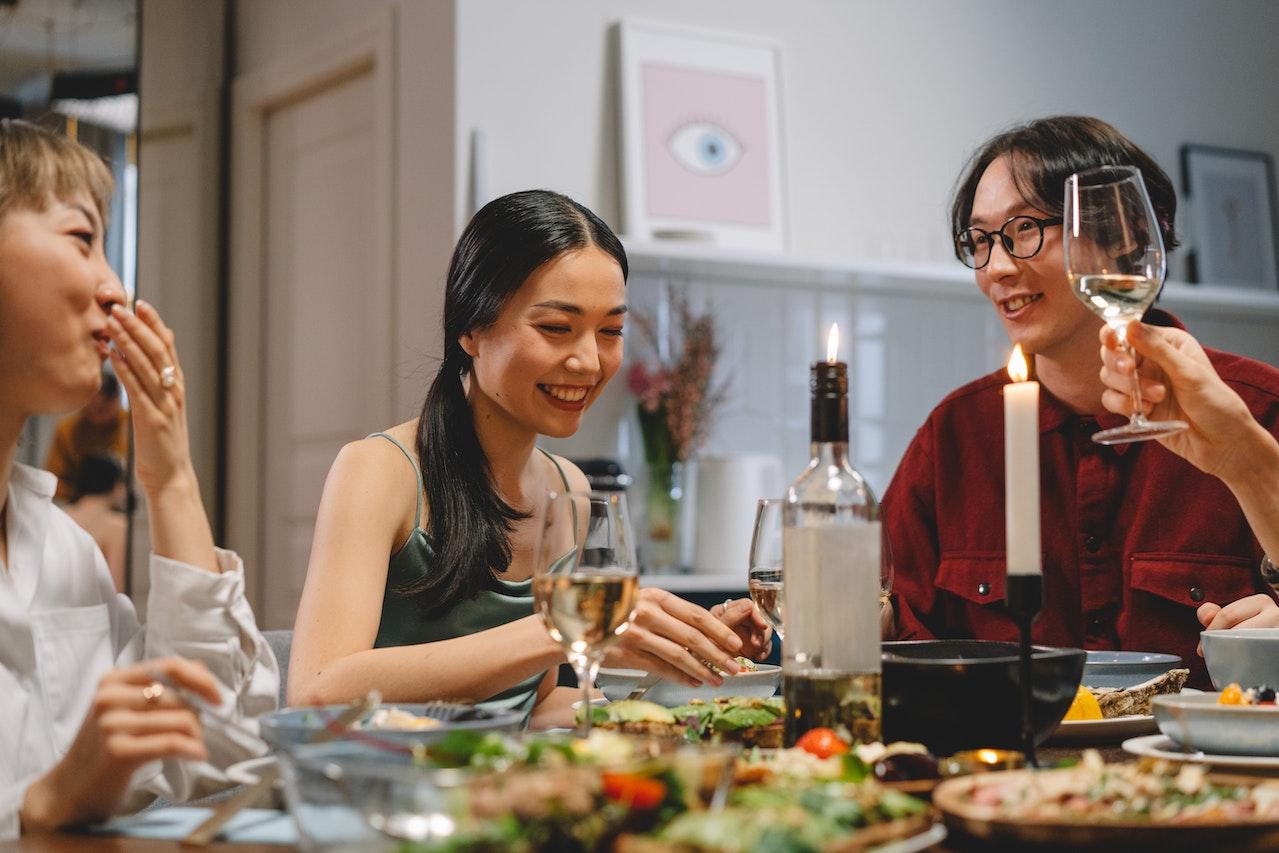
(1141, 550)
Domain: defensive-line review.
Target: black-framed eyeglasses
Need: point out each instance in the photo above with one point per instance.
(1022, 236)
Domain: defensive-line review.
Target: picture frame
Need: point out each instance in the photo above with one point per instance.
(1230, 194)
(700, 121)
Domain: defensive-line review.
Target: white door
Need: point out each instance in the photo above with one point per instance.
(326, 374)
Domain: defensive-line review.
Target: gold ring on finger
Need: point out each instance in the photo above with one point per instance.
(152, 692)
(168, 376)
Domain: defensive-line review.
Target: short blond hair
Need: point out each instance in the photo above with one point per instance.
(37, 165)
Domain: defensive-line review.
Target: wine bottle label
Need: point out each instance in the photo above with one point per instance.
(831, 607)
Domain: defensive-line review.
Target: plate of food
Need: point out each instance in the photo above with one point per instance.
(1143, 804)
(1110, 714)
(750, 721)
(611, 792)
(758, 680)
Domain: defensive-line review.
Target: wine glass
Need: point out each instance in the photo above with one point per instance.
(585, 579)
(765, 573)
(1115, 263)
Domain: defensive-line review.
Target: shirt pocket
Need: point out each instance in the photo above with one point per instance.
(1192, 579)
(976, 578)
(73, 651)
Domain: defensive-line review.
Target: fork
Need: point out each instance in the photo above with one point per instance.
(203, 834)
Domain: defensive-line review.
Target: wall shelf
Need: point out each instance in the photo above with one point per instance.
(701, 260)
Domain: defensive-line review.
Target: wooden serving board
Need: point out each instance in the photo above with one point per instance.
(982, 822)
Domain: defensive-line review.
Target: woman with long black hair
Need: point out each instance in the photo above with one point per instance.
(419, 582)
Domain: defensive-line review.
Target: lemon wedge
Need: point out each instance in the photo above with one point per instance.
(1084, 706)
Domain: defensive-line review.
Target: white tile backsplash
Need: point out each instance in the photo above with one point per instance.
(911, 336)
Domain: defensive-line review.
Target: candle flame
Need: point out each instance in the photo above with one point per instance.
(988, 756)
(1018, 369)
(832, 343)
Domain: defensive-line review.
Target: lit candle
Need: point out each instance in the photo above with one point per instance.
(832, 344)
(1021, 468)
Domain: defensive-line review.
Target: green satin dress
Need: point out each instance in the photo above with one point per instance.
(402, 622)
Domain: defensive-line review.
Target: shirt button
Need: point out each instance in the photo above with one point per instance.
(1196, 593)
(1096, 625)
(983, 589)
(1092, 544)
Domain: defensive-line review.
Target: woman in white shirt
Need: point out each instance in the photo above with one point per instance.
(87, 725)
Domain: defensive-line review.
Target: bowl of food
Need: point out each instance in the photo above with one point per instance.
(1237, 721)
(952, 695)
(756, 680)
(1120, 670)
(1242, 656)
(398, 724)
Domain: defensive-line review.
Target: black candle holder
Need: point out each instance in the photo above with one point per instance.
(1025, 597)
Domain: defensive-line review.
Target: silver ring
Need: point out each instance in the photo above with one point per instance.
(168, 376)
(152, 692)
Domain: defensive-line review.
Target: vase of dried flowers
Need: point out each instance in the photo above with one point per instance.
(676, 404)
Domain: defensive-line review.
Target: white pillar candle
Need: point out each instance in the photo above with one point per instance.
(1021, 468)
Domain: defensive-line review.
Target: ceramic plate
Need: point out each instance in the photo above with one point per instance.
(925, 840)
(1162, 746)
(1103, 731)
(762, 683)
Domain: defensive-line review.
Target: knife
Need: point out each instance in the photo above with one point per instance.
(643, 686)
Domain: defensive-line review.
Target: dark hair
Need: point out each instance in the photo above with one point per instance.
(505, 242)
(1045, 152)
(97, 474)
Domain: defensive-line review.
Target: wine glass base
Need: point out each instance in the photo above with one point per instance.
(1144, 431)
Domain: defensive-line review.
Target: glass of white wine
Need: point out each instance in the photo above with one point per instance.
(765, 574)
(585, 579)
(1115, 263)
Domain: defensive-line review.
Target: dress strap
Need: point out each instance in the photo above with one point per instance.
(417, 472)
(555, 462)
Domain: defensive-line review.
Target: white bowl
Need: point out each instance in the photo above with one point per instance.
(1247, 656)
(1200, 722)
(760, 684)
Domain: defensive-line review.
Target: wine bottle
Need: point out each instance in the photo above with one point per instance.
(831, 559)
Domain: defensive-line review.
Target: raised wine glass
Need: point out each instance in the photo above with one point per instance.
(585, 579)
(1115, 263)
(765, 574)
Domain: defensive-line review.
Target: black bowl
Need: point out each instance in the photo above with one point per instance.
(965, 694)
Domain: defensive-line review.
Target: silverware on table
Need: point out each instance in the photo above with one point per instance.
(643, 686)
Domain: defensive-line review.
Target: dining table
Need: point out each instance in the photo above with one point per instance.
(73, 841)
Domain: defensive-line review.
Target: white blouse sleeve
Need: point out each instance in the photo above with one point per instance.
(198, 615)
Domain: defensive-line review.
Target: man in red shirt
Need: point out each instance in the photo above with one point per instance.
(1135, 539)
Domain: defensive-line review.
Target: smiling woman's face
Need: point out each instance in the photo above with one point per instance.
(55, 290)
(555, 345)
(1032, 295)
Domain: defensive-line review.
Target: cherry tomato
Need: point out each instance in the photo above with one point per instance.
(638, 792)
(822, 742)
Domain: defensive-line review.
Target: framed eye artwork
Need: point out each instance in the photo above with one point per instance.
(701, 137)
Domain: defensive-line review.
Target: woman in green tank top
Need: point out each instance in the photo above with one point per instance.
(419, 583)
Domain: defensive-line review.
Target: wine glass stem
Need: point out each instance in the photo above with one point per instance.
(586, 669)
(1134, 391)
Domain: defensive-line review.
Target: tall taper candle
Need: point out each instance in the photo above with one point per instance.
(1021, 468)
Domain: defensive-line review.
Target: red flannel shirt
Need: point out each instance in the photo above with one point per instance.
(1134, 537)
